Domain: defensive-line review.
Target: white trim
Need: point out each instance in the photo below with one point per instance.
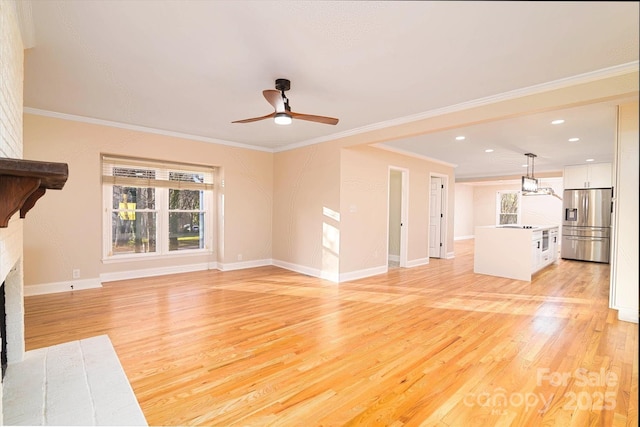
(152, 256)
(207, 211)
(382, 146)
(417, 262)
(498, 210)
(451, 255)
(244, 264)
(404, 213)
(444, 211)
(332, 277)
(464, 237)
(307, 271)
(628, 315)
(67, 286)
(361, 274)
(151, 272)
(145, 129)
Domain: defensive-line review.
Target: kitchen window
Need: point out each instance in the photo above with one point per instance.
(155, 209)
(508, 207)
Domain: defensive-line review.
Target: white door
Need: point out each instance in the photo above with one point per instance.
(435, 217)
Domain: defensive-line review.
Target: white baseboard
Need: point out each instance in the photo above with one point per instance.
(394, 258)
(333, 277)
(361, 274)
(72, 285)
(451, 255)
(307, 271)
(417, 262)
(67, 286)
(628, 315)
(150, 272)
(244, 264)
(464, 237)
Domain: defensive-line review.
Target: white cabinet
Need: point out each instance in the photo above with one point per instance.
(544, 248)
(597, 175)
(514, 252)
(536, 254)
(553, 245)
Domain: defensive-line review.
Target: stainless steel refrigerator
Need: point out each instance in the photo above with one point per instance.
(586, 225)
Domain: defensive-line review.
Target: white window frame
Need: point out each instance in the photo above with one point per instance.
(162, 188)
(499, 205)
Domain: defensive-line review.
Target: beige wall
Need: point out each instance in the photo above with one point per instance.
(306, 187)
(463, 222)
(624, 275)
(363, 201)
(65, 232)
(330, 208)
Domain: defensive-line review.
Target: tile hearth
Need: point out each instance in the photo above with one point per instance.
(75, 383)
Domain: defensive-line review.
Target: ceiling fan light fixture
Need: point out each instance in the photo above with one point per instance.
(282, 119)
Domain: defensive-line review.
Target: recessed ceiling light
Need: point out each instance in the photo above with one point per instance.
(459, 138)
(525, 166)
(590, 160)
(557, 122)
(574, 139)
(488, 150)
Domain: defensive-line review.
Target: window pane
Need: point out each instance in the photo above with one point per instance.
(131, 198)
(509, 203)
(184, 199)
(186, 177)
(508, 208)
(133, 232)
(134, 173)
(508, 219)
(186, 230)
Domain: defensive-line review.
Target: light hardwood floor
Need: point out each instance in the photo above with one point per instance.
(436, 345)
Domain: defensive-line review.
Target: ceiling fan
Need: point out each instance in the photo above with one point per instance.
(283, 114)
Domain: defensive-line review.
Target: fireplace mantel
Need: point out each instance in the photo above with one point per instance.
(23, 182)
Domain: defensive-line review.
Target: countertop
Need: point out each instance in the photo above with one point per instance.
(533, 227)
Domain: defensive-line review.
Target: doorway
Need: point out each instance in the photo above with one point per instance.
(397, 218)
(437, 217)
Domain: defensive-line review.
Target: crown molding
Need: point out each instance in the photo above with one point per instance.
(505, 96)
(609, 72)
(90, 120)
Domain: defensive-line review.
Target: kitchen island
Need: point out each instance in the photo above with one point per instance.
(514, 251)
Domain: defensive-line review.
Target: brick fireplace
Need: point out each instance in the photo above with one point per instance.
(14, 313)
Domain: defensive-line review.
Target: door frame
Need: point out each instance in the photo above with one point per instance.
(404, 217)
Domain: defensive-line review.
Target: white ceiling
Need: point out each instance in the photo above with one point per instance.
(193, 67)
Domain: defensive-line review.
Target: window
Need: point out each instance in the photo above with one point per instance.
(508, 207)
(155, 208)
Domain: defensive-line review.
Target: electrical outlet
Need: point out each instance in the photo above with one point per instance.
(76, 273)
(239, 257)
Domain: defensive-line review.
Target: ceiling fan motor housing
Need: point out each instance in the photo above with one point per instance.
(283, 85)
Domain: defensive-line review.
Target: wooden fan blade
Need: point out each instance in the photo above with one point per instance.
(274, 98)
(312, 118)
(255, 119)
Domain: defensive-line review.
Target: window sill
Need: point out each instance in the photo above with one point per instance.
(151, 257)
